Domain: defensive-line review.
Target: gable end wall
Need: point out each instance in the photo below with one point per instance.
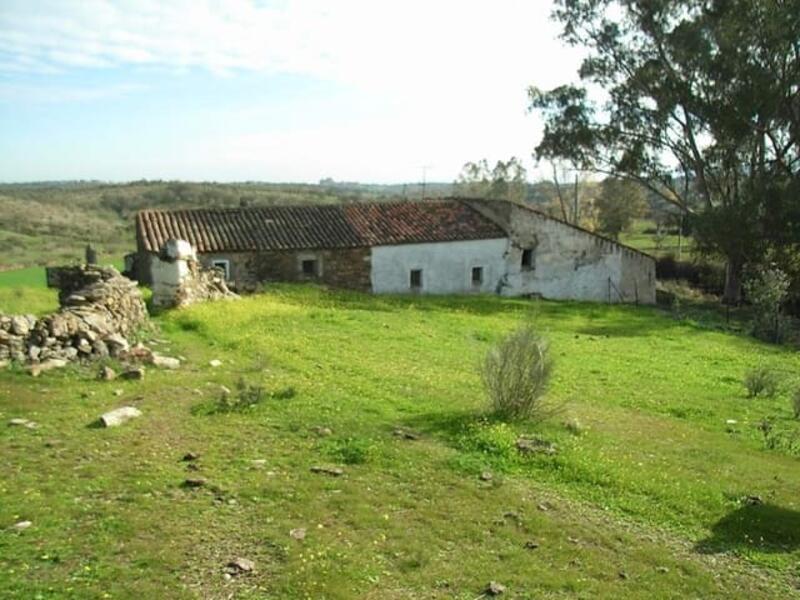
(568, 263)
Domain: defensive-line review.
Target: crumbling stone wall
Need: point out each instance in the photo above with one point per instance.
(100, 311)
(178, 279)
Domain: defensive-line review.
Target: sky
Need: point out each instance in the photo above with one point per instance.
(372, 91)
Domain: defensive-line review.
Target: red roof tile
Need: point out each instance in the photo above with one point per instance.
(319, 226)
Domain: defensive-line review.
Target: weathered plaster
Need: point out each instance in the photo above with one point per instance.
(568, 262)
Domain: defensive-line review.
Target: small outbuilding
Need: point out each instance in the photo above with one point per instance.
(451, 246)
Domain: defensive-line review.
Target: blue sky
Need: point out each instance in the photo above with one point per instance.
(273, 91)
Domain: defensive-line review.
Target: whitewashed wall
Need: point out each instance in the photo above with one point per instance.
(446, 266)
(569, 263)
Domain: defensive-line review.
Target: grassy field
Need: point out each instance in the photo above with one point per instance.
(648, 498)
(641, 237)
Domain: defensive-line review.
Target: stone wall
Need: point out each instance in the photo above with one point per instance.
(100, 311)
(340, 268)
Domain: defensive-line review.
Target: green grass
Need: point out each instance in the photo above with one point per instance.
(25, 291)
(648, 242)
(645, 501)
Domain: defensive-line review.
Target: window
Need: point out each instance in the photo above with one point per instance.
(309, 267)
(225, 265)
(415, 279)
(477, 275)
(527, 260)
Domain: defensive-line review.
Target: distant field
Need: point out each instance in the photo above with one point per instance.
(667, 490)
(25, 290)
(642, 238)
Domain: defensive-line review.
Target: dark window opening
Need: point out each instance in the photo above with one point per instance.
(416, 279)
(309, 267)
(224, 265)
(527, 259)
(477, 275)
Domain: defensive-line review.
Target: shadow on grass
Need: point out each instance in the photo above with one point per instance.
(444, 425)
(763, 527)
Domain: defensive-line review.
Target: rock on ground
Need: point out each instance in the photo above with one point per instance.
(118, 416)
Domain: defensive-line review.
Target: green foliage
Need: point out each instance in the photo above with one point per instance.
(699, 107)
(496, 440)
(350, 450)
(761, 381)
(619, 203)
(505, 181)
(516, 373)
(767, 290)
(783, 440)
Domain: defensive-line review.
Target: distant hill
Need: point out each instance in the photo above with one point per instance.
(52, 221)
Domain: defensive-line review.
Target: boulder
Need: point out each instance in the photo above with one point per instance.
(118, 416)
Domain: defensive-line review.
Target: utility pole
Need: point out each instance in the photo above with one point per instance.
(424, 178)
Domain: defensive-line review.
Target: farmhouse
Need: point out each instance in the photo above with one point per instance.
(450, 246)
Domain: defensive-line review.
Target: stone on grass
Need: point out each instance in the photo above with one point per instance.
(298, 534)
(332, 471)
(118, 416)
(22, 525)
(405, 434)
(165, 362)
(486, 476)
(240, 565)
(134, 374)
(494, 589)
(53, 363)
(22, 423)
(323, 431)
(534, 445)
(215, 363)
(106, 374)
(190, 456)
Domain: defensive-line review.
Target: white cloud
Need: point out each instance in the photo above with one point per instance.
(444, 80)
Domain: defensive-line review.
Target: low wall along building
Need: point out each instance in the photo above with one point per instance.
(454, 246)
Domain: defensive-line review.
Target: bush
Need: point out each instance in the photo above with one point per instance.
(350, 450)
(516, 373)
(761, 381)
(767, 289)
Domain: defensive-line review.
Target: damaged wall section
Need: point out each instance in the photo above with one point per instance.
(100, 311)
(556, 260)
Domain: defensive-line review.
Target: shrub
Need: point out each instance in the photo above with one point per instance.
(761, 381)
(350, 450)
(496, 440)
(767, 290)
(516, 373)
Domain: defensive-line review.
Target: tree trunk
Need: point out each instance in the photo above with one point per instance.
(733, 282)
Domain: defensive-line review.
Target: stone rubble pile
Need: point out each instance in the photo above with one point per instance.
(100, 311)
(202, 285)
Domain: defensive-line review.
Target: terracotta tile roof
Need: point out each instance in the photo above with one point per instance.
(388, 223)
(316, 226)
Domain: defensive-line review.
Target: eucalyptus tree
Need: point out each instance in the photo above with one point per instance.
(697, 100)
